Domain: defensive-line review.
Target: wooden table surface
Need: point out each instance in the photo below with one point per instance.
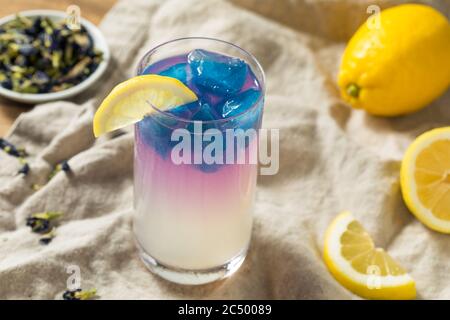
(92, 10)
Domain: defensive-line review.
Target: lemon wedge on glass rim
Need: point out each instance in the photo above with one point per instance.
(129, 101)
(355, 262)
(425, 179)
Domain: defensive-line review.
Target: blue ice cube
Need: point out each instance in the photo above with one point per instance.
(156, 129)
(239, 103)
(245, 116)
(239, 107)
(217, 73)
(209, 168)
(155, 134)
(204, 114)
(208, 119)
(178, 71)
(207, 115)
(185, 111)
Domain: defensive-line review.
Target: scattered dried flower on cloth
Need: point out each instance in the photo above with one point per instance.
(41, 222)
(48, 237)
(79, 294)
(11, 149)
(62, 166)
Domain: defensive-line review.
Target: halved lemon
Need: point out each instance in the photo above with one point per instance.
(356, 263)
(131, 100)
(425, 179)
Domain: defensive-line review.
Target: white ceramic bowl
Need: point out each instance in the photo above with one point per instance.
(99, 43)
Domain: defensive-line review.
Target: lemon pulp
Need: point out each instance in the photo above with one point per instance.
(361, 267)
(131, 100)
(425, 179)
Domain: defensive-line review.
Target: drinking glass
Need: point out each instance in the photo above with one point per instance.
(193, 221)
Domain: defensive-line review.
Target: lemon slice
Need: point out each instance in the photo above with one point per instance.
(358, 265)
(425, 179)
(131, 100)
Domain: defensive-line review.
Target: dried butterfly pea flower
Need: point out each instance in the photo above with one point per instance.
(62, 166)
(21, 152)
(70, 294)
(31, 45)
(27, 86)
(41, 222)
(79, 294)
(12, 150)
(48, 237)
(45, 240)
(38, 225)
(25, 169)
(40, 78)
(77, 69)
(83, 41)
(21, 61)
(7, 84)
(35, 28)
(65, 166)
(25, 166)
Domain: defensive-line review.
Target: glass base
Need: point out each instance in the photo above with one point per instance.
(192, 277)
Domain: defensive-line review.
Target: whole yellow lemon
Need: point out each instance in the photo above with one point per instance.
(398, 61)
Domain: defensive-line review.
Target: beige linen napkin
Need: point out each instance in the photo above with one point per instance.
(332, 158)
